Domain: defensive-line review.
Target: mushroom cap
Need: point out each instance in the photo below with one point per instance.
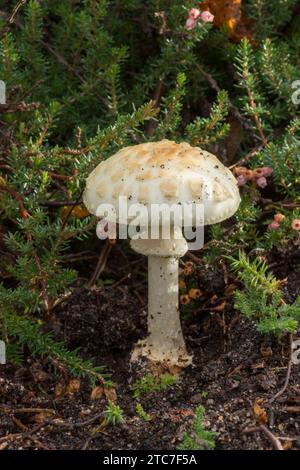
(164, 172)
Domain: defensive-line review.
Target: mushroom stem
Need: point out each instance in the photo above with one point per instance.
(165, 343)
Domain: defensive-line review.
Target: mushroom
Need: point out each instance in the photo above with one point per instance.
(172, 174)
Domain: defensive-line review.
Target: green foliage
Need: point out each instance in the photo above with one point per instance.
(242, 234)
(205, 131)
(27, 332)
(283, 156)
(172, 107)
(262, 300)
(113, 414)
(255, 274)
(151, 384)
(199, 438)
(269, 15)
(142, 413)
(252, 100)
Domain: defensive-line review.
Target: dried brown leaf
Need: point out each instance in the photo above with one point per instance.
(97, 393)
(73, 386)
(42, 416)
(259, 413)
(287, 445)
(266, 352)
(292, 409)
(111, 394)
(60, 389)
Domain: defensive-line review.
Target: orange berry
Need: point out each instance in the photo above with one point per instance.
(195, 293)
(184, 299)
(189, 264)
(188, 268)
(187, 271)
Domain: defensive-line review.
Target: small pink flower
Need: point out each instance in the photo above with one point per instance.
(263, 171)
(279, 218)
(296, 224)
(241, 180)
(266, 171)
(262, 182)
(190, 24)
(274, 226)
(194, 14)
(207, 17)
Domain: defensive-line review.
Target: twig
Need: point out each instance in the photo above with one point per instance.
(36, 441)
(290, 439)
(247, 157)
(194, 258)
(120, 281)
(11, 18)
(88, 441)
(48, 422)
(19, 424)
(101, 263)
(63, 203)
(139, 297)
(256, 118)
(71, 426)
(52, 422)
(270, 205)
(22, 435)
(34, 410)
(15, 11)
(274, 440)
(288, 373)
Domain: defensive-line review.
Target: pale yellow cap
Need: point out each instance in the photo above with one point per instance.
(164, 172)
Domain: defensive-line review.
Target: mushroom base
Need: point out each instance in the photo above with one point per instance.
(165, 343)
(159, 359)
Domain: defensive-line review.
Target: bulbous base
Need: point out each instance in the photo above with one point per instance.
(166, 357)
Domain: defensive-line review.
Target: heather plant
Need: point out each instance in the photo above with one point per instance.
(199, 438)
(262, 299)
(151, 384)
(113, 414)
(84, 79)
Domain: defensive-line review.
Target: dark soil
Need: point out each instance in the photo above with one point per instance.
(234, 368)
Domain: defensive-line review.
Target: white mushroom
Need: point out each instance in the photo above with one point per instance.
(173, 174)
